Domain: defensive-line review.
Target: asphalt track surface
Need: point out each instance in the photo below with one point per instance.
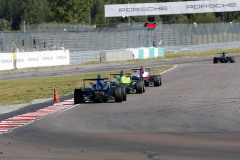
(194, 115)
(85, 69)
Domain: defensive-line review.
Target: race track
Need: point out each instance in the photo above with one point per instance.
(194, 115)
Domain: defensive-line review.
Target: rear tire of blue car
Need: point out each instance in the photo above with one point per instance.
(215, 60)
(118, 94)
(124, 91)
(78, 96)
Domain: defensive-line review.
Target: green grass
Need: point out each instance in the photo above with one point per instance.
(26, 90)
(201, 53)
(188, 54)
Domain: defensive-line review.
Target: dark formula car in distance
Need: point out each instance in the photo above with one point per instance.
(101, 91)
(224, 58)
(149, 79)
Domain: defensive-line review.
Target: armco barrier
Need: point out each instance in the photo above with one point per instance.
(148, 52)
(131, 53)
(35, 59)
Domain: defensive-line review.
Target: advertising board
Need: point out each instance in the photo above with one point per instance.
(35, 59)
(168, 8)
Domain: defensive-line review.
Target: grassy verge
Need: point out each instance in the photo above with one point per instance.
(189, 54)
(201, 53)
(26, 90)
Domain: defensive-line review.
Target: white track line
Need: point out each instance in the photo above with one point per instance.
(169, 69)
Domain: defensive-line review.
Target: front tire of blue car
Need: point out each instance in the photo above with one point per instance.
(118, 94)
(78, 96)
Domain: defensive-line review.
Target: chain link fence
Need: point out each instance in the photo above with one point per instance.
(134, 35)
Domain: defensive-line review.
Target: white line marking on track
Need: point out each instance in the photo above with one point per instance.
(11, 125)
(169, 69)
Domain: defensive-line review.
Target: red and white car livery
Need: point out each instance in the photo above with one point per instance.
(145, 74)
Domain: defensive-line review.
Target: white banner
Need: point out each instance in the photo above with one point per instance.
(35, 59)
(6, 61)
(167, 8)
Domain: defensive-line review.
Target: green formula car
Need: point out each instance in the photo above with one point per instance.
(126, 82)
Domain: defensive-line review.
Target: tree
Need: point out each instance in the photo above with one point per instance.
(13, 13)
(4, 25)
(70, 11)
(35, 11)
(98, 12)
(204, 18)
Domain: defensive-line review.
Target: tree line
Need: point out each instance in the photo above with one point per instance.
(13, 13)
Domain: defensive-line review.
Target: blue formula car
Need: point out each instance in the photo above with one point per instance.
(224, 58)
(101, 91)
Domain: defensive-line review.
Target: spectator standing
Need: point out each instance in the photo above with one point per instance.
(154, 44)
(62, 46)
(14, 59)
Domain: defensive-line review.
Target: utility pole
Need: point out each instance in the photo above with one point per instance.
(89, 18)
(24, 28)
(129, 22)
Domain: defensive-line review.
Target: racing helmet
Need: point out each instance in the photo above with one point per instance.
(141, 70)
(122, 72)
(99, 80)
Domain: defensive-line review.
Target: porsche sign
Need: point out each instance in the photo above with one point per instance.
(167, 8)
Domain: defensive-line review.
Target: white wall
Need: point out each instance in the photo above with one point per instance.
(35, 59)
(110, 56)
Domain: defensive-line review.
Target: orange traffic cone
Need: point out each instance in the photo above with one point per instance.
(56, 96)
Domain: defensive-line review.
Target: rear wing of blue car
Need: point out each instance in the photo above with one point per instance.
(96, 79)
